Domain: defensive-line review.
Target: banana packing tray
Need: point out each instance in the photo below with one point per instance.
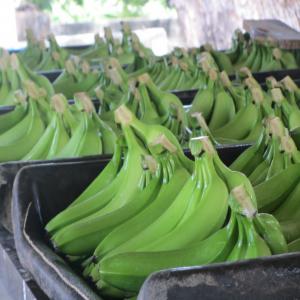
(274, 277)
(39, 193)
(8, 172)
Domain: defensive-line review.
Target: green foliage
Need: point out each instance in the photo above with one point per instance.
(47, 4)
(41, 4)
(129, 8)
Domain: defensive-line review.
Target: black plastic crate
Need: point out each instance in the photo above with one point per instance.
(39, 193)
(8, 172)
(274, 277)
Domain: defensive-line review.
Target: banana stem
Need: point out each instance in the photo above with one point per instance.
(165, 142)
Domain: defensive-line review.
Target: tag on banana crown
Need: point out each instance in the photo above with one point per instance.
(240, 202)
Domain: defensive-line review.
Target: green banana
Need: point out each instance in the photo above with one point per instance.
(153, 135)
(20, 139)
(8, 120)
(69, 239)
(85, 140)
(290, 208)
(119, 236)
(294, 246)
(75, 78)
(271, 193)
(118, 270)
(204, 99)
(239, 249)
(223, 110)
(203, 208)
(269, 228)
(234, 129)
(256, 245)
(291, 229)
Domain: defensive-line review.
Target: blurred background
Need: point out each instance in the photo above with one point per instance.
(160, 24)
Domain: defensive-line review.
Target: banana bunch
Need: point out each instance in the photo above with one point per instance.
(255, 54)
(272, 153)
(259, 55)
(39, 129)
(22, 128)
(162, 219)
(32, 54)
(290, 90)
(176, 75)
(272, 166)
(143, 98)
(8, 120)
(53, 58)
(13, 74)
(120, 49)
(122, 172)
(116, 88)
(77, 77)
(159, 107)
(233, 113)
(238, 42)
(143, 57)
(190, 231)
(95, 52)
(100, 200)
(89, 134)
(286, 97)
(221, 60)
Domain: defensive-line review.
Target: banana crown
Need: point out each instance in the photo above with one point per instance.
(240, 202)
(84, 103)
(59, 103)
